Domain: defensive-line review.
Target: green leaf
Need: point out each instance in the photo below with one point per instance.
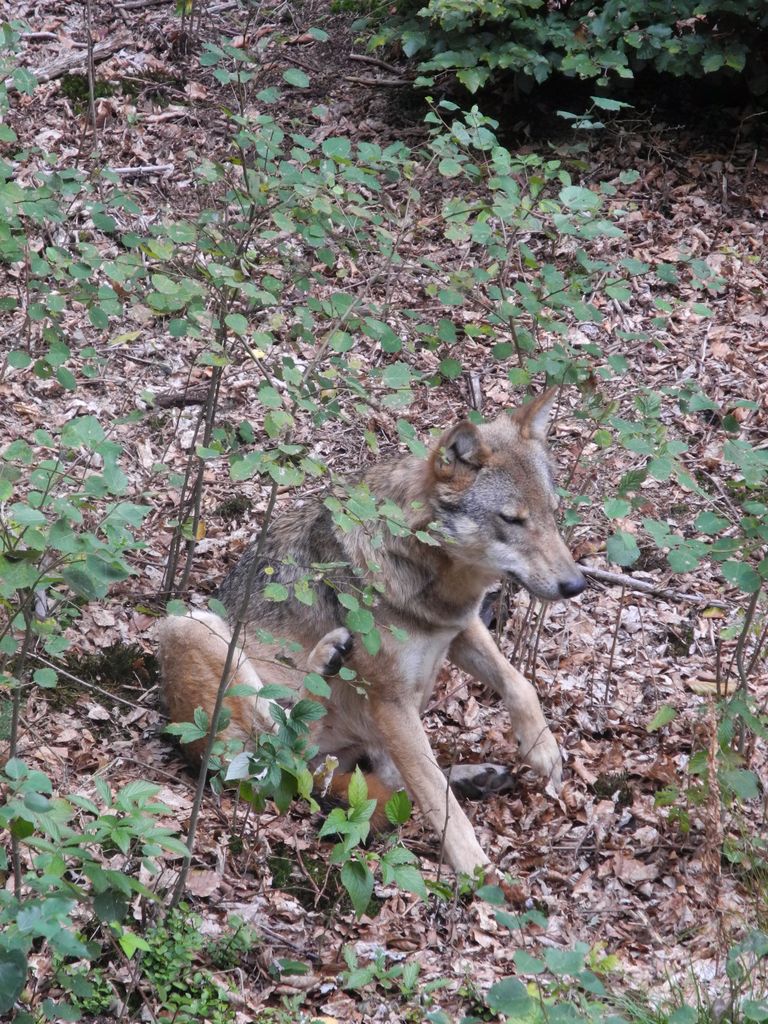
(46, 677)
(742, 576)
(82, 583)
(357, 792)
(683, 559)
(13, 975)
(339, 148)
(316, 685)
(708, 522)
(616, 508)
(237, 323)
(409, 878)
(450, 368)
(82, 430)
(110, 905)
(663, 716)
(129, 943)
(528, 964)
(510, 996)
(372, 642)
(449, 168)
(622, 548)
(358, 881)
(741, 782)
(270, 397)
(398, 808)
(360, 620)
(492, 894)
(397, 376)
(580, 199)
(19, 360)
(306, 710)
(604, 103)
(755, 1010)
(473, 78)
(296, 77)
(98, 318)
(564, 961)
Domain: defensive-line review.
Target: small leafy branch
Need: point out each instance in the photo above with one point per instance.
(396, 865)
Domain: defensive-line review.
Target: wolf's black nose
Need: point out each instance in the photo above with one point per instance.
(571, 587)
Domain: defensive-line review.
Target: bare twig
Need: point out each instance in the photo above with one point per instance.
(224, 685)
(136, 5)
(365, 58)
(90, 70)
(475, 391)
(749, 617)
(142, 170)
(389, 83)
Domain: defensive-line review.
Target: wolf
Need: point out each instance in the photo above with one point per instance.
(484, 506)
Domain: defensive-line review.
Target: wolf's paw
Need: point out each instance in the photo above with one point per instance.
(329, 654)
(476, 781)
(542, 753)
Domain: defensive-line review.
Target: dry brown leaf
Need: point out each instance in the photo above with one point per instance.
(632, 871)
(203, 882)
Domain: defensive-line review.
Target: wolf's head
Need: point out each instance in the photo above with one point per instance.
(494, 494)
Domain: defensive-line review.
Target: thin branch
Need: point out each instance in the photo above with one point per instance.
(365, 58)
(619, 579)
(224, 684)
(142, 170)
(136, 5)
(388, 83)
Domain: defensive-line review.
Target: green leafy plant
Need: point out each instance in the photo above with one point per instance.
(483, 40)
(185, 991)
(73, 834)
(357, 866)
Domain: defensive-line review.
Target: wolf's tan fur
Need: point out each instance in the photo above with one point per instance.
(491, 490)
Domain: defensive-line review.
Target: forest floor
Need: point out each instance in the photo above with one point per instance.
(605, 863)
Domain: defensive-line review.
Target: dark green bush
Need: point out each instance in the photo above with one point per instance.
(481, 40)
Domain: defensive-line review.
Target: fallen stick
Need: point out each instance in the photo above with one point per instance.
(387, 82)
(192, 396)
(136, 5)
(141, 170)
(364, 58)
(57, 68)
(618, 579)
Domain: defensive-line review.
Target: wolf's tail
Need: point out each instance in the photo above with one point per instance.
(193, 655)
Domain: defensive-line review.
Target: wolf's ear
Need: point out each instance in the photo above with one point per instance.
(460, 450)
(532, 418)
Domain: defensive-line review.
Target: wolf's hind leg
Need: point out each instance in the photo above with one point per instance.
(477, 781)
(329, 653)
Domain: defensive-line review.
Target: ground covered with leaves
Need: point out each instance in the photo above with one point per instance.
(653, 855)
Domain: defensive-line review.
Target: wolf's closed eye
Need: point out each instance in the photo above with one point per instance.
(512, 520)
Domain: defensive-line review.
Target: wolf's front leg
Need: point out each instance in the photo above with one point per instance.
(399, 725)
(475, 652)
